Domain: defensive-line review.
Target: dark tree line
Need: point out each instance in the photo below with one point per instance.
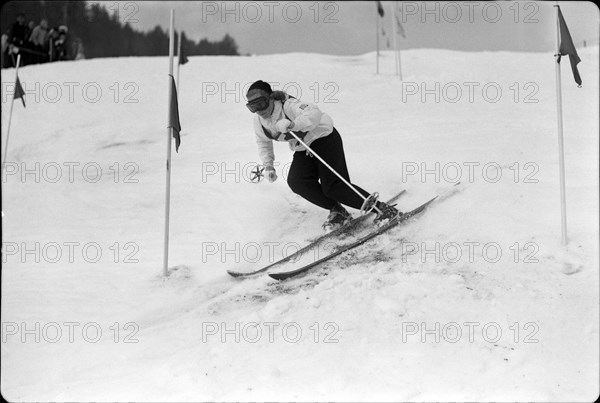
(101, 32)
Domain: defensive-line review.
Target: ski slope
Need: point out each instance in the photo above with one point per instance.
(474, 300)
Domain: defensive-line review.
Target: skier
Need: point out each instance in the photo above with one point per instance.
(276, 114)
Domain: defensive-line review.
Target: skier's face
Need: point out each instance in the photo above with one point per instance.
(258, 98)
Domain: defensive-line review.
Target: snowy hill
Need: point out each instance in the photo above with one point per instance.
(474, 300)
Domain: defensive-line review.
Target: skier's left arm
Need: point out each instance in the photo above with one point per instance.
(305, 117)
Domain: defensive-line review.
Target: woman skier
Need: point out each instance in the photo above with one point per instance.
(276, 113)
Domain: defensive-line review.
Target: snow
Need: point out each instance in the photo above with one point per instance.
(361, 327)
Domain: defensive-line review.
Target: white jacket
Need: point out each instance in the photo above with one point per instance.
(306, 117)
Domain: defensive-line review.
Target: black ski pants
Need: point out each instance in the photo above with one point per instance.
(312, 180)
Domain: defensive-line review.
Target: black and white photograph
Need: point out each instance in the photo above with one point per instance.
(300, 201)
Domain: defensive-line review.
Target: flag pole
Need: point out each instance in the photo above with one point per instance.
(377, 36)
(393, 16)
(398, 47)
(169, 136)
(561, 156)
(399, 65)
(178, 61)
(12, 102)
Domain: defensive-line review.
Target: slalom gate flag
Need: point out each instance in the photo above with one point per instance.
(567, 47)
(19, 93)
(400, 27)
(380, 9)
(182, 57)
(174, 115)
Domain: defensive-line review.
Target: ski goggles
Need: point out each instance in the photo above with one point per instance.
(258, 104)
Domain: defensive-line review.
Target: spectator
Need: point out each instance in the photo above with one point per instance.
(52, 38)
(61, 45)
(39, 36)
(18, 32)
(39, 40)
(17, 38)
(77, 52)
(30, 27)
(4, 60)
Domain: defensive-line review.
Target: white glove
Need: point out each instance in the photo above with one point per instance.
(270, 174)
(284, 126)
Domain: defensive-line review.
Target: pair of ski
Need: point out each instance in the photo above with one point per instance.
(345, 229)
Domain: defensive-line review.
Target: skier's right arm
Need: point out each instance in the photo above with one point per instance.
(265, 151)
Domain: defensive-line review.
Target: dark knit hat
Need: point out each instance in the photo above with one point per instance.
(260, 85)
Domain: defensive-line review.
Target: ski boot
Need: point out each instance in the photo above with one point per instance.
(388, 212)
(338, 216)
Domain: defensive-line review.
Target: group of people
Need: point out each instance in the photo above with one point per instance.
(38, 43)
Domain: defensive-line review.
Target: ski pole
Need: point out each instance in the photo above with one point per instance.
(365, 199)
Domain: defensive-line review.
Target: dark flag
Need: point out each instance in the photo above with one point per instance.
(19, 93)
(567, 47)
(182, 57)
(174, 115)
(380, 9)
